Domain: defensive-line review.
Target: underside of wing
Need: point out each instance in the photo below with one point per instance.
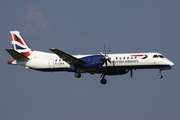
(16, 55)
(66, 57)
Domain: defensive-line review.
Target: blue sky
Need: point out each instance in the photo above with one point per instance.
(82, 27)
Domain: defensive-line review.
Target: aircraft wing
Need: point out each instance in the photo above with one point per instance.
(66, 57)
(16, 55)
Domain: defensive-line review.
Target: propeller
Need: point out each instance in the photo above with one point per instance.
(131, 73)
(105, 56)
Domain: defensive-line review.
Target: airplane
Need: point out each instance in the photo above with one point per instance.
(102, 63)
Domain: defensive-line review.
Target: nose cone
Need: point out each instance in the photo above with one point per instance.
(171, 64)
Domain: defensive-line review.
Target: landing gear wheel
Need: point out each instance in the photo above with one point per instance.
(103, 81)
(77, 75)
(160, 76)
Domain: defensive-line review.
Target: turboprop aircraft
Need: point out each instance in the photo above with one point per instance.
(104, 64)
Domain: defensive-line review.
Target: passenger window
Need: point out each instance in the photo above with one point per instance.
(124, 58)
(127, 57)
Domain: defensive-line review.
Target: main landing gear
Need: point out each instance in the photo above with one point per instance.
(160, 74)
(103, 80)
(77, 74)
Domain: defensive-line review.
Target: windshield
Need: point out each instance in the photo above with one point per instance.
(161, 56)
(155, 56)
(158, 56)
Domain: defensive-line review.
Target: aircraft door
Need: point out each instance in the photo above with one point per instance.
(51, 63)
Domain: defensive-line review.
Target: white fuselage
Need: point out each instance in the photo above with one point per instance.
(42, 60)
(111, 64)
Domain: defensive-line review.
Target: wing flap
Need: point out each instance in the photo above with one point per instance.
(66, 57)
(16, 55)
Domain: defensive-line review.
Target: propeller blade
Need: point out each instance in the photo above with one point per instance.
(131, 72)
(105, 50)
(109, 60)
(101, 53)
(106, 63)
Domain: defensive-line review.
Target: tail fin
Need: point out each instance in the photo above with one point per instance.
(19, 44)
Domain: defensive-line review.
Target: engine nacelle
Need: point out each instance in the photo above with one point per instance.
(92, 61)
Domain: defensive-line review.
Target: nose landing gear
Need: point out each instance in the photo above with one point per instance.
(160, 74)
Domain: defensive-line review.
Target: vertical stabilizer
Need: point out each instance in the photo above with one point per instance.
(19, 44)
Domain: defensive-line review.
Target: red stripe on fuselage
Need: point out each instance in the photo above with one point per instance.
(140, 55)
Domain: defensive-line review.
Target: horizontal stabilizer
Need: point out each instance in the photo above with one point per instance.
(16, 55)
(66, 57)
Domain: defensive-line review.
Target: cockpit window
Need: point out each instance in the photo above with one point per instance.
(155, 56)
(158, 56)
(161, 56)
